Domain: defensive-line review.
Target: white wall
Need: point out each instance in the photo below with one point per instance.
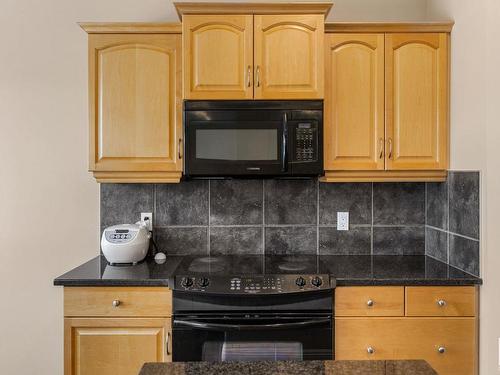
(49, 203)
(475, 140)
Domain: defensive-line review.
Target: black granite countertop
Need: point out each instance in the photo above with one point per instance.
(346, 269)
(290, 368)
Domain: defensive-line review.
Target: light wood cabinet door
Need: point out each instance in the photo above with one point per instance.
(441, 301)
(116, 301)
(410, 338)
(354, 102)
(108, 346)
(370, 301)
(218, 56)
(135, 103)
(288, 56)
(416, 101)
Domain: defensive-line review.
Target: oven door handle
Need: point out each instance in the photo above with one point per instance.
(246, 327)
(284, 142)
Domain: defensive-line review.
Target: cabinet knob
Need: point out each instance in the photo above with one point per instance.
(441, 303)
(116, 303)
(369, 303)
(441, 349)
(370, 350)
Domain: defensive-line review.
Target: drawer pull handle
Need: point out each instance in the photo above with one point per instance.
(167, 343)
(370, 350)
(369, 303)
(116, 303)
(441, 350)
(441, 303)
(179, 151)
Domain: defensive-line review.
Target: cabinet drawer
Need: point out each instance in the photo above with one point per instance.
(118, 301)
(369, 301)
(441, 301)
(409, 338)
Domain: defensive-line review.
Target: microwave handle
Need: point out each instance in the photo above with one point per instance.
(284, 142)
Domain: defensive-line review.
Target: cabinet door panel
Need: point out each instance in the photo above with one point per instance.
(115, 346)
(369, 301)
(288, 56)
(354, 102)
(409, 338)
(417, 101)
(218, 54)
(135, 88)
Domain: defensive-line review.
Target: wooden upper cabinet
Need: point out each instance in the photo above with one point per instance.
(417, 101)
(218, 56)
(288, 56)
(135, 117)
(354, 102)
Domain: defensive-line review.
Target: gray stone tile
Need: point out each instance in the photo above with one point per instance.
(464, 203)
(290, 240)
(290, 201)
(355, 198)
(235, 240)
(182, 204)
(355, 241)
(123, 203)
(398, 240)
(186, 241)
(436, 244)
(400, 203)
(437, 204)
(464, 254)
(236, 202)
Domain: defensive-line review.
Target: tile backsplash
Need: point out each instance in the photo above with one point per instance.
(300, 216)
(452, 225)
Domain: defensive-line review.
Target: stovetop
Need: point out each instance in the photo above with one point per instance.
(228, 265)
(251, 275)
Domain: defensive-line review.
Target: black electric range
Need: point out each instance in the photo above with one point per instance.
(246, 308)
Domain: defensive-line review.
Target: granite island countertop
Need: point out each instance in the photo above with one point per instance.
(347, 270)
(408, 367)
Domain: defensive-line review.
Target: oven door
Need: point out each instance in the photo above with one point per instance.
(240, 337)
(235, 147)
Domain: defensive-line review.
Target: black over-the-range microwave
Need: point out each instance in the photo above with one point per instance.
(250, 138)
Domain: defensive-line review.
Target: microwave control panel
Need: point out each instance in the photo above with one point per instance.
(306, 141)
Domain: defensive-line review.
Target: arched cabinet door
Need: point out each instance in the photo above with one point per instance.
(288, 60)
(417, 101)
(135, 94)
(218, 56)
(354, 102)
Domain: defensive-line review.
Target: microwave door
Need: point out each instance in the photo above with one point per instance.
(235, 148)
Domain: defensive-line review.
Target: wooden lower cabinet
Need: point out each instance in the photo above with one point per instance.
(409, 338)
(115, 330)
(109, 346)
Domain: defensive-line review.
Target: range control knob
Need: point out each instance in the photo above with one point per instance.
(316, 281)
(300, 282)
(203, 282)
(186, 282)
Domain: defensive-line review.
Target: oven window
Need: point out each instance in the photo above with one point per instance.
(216, 351)
(237, 144)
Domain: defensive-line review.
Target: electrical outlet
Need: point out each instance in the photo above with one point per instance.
(148, 215)
(342, 220)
